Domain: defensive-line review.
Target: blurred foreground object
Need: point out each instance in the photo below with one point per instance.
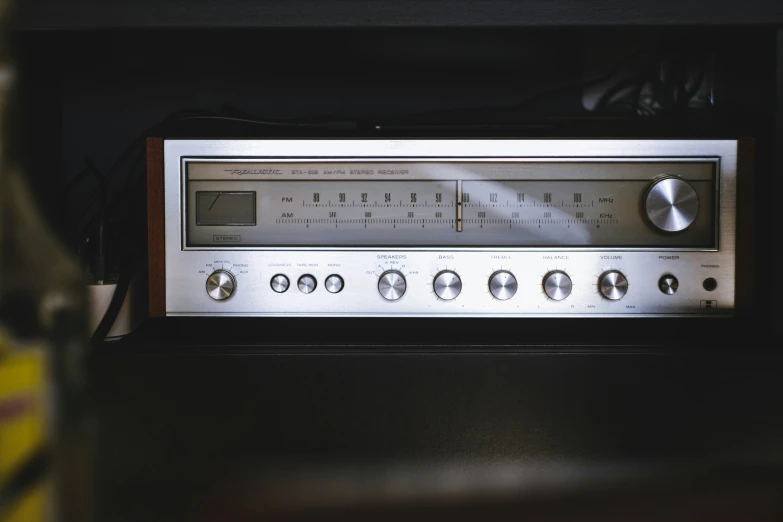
(41, 355)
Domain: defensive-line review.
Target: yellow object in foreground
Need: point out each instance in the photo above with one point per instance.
(22, 425)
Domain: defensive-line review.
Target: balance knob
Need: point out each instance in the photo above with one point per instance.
(447, 285)
(613, 285)
(503, 285)
(221, 284)
(557, 285)
(392, 285)
(671, 204)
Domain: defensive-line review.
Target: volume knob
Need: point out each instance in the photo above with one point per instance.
(221, 284)
(503, 285)
(671, 204)
(613, 285)
(392, 285)
(557, 285)
(447, 285)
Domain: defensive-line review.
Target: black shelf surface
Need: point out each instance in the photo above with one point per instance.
(197, 426)
(100, 14)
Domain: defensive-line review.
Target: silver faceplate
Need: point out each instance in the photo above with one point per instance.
(187, 267)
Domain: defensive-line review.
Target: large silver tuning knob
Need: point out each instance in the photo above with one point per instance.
(671, 204)
(221, 284)
(392, 285)
(557, 285)
(503, 285)
(613, 285)
(447, 285)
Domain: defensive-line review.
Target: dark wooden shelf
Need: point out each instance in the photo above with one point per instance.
(100, 14)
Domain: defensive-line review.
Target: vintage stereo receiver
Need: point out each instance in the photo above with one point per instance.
(395, 228)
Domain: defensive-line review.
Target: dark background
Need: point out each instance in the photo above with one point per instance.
(211, 420)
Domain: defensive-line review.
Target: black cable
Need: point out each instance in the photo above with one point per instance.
(609, 94)
(537, 96)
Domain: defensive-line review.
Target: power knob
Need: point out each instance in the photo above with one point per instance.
(557, 285)
(392, 285)
(503, 285)
(671, 204)
(221, 284)
(447, 285)
(613, 285)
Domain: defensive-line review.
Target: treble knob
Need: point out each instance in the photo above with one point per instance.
(503, 285)
(671, 204)
(221, 284)
(392, 285)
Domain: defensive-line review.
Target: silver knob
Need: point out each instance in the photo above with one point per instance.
(671, 204)
(392, 285)
(613, 285)
(307, 284)
(279, 283)
(221, 284)
(668, 284)
(447, 285)
(503, 285)
(557, 285)
(334, 284)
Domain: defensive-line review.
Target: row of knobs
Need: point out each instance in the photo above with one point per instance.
(503, 285)
(447, 285)
(221, 284)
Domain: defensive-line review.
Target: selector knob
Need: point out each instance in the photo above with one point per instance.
(221, 284)
(503, 285)
(392, 285)
(613, 285)
(447, 285)
(307, 284)
(557, 285)
(671, 204)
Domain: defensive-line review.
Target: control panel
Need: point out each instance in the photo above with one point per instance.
(502, 228)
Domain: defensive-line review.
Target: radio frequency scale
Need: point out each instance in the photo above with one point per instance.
(503, 228)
